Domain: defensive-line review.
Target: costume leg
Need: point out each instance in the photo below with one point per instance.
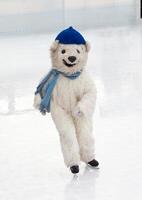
(85, 138)
(65, 126)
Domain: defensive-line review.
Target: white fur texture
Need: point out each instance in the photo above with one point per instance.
(79, 51)
(72, 105)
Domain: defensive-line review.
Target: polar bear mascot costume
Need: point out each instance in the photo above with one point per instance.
(70, 95)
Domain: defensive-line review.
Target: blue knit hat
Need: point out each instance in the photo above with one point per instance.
(70, 36)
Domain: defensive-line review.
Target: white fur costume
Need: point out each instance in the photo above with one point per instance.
(72, 104)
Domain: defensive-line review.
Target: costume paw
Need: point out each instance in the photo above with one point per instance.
(77, 112)
(93, 163)
(37, 101)
(74, 169)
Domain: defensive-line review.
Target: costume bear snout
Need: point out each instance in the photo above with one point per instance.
(72, 58)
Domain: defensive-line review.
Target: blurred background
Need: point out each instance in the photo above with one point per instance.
(31, 164)
(42, 16)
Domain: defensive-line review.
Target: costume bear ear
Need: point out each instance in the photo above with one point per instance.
(88, 46)
(54, 45)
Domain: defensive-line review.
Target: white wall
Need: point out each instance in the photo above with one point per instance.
(23, 16)
(96, 13)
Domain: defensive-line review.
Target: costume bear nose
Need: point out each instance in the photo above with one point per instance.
(71, 58)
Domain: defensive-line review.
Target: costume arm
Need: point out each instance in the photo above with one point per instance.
(87, 103)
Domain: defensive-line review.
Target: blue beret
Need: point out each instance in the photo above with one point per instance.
(70, 36)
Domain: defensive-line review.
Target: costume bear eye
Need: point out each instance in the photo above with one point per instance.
(63, 51)
(77, 51)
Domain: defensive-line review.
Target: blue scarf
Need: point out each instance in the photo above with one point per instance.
(46, 86)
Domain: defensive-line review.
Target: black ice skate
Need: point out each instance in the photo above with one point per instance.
(74, 169)
(93, 163)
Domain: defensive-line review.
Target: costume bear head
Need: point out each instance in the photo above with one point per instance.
(69, 51)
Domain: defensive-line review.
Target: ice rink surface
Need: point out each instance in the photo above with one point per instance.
(31, 163)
